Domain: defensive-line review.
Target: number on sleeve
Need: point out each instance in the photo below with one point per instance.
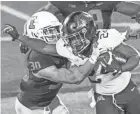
(35, 65)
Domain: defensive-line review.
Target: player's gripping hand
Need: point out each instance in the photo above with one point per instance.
(109, 63)
(95, 54)
(109, 68)
(12, 31)
(23, 48)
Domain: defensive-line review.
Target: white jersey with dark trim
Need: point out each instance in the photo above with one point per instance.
(108, 39)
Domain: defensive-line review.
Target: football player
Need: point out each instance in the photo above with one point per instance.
(46, 73)
(115, 91)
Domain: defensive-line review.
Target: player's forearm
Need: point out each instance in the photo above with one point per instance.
(61, 75)
(131, 64)
(80, 73)
(39, 45)
(71, 76)
(128, 8)
(86, 69)
(74, 75)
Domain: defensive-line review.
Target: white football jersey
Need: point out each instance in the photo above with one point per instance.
(109, 39)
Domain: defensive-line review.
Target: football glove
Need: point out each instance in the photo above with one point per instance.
(12, 31)
(23, 49)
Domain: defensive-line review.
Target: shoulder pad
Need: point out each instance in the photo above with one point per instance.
(110, 38)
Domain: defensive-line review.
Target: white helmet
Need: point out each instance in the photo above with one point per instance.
(43, 25)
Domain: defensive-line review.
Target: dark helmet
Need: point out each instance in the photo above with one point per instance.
(79, 30)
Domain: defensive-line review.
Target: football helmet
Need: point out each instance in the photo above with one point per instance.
(79, 30)
(45, 26)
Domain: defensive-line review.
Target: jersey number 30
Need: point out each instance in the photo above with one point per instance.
(35, 65)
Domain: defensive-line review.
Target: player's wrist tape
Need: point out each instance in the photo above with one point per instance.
(92, 59)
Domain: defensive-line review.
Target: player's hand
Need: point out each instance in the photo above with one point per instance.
(23, 49)
(108, 67)
(12, 31)
(95, 54)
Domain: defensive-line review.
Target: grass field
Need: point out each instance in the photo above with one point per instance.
(12, 65)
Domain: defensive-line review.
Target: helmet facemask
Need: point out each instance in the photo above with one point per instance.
(50, 34)
(77, 41)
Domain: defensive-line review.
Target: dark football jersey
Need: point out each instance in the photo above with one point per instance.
(100, 10)
(38, 91)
